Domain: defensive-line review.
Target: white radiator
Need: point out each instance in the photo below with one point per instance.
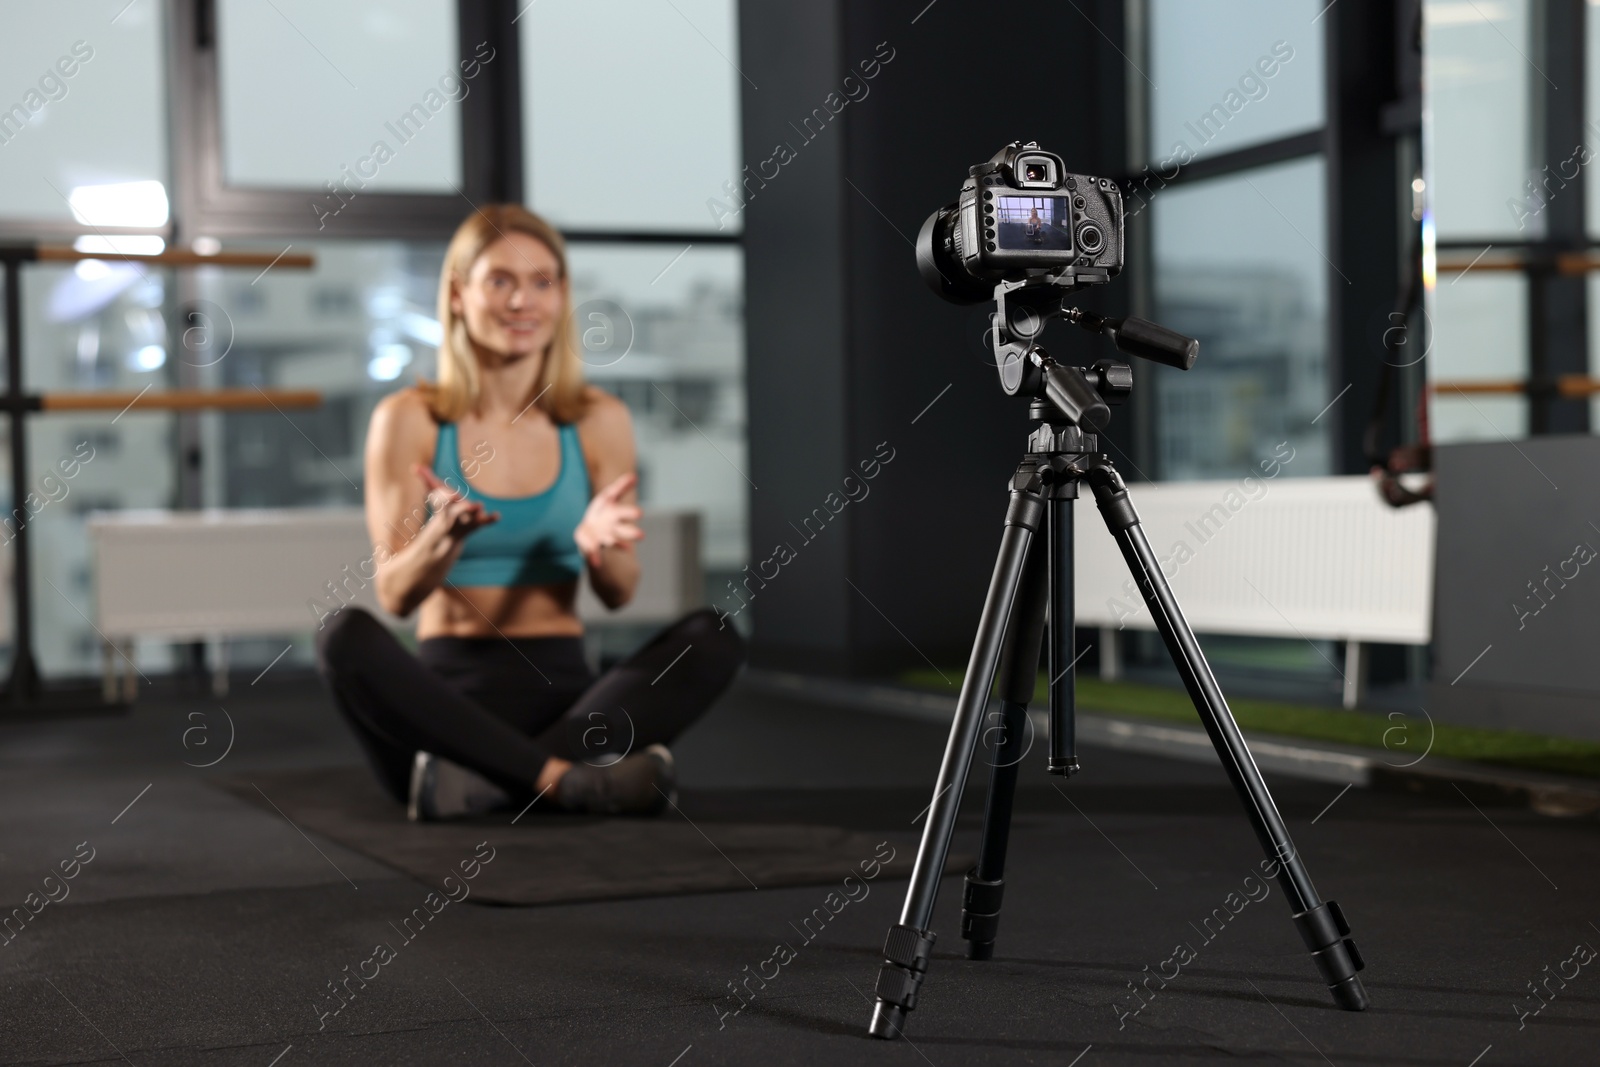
(193, 575)
(1302, 558)
(189, 575)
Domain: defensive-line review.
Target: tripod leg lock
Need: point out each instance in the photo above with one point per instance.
(980, 914)
(905, 953)
(1112, 496)
(1326, 933)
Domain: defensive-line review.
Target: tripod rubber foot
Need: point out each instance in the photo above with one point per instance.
(980, 950)
(1326, 934)
(905, 961)
(1065, 767)
(1350, 994)
(888, 1021)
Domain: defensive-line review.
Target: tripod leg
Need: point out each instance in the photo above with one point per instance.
(909, 943)
(1322, 925)
(1007, 742)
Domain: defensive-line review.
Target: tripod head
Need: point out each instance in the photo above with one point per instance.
(1080, 396)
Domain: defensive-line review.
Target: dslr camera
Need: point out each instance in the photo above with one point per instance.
(1026, 234)
(1022, 217)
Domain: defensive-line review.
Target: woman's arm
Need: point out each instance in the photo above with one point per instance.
(609, 526)
(414, 551)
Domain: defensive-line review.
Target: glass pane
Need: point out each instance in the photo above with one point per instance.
(1477, 77)
(96, 325)
(1591, 104)
(1231, 73)
(1239, 264)
(90, 326)
(84, 108)
(1479, 326)
(87, 326)
(682, 377)
(77, 464)
(631, 113)
(356, 327)
(372, 103)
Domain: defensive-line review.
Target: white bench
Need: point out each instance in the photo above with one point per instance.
(209, 575)
(1313, 558)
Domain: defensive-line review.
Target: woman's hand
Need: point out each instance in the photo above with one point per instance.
(608, 522)
(455, 516)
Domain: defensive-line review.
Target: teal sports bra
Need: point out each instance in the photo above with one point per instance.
(532, 544)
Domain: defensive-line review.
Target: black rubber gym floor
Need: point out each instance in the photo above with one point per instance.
(206, 931)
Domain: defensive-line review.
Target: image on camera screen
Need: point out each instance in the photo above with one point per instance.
(1025, 223)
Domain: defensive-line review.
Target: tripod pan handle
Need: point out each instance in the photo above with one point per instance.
(1145, 339)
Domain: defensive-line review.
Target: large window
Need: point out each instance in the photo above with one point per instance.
(375, 94)
(360, 133)
(608, 152)
(358, 326)
(1226, 74)
(83, 159)
(1479, 73)
(1255, 295)
(1479, 333)
(83, 129)
(1235, 221)
(666, 334)
(1480, 76)
(1238, 257)
(631, 112)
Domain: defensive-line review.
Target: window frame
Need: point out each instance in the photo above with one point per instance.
(1368, 143)
(1141, 240)
(1558, 298)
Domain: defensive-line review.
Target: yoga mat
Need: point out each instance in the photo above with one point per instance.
(553, 858)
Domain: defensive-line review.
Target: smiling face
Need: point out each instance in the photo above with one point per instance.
(513, 297)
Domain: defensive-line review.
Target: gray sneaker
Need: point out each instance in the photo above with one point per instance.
(641, 784)
(441, 789)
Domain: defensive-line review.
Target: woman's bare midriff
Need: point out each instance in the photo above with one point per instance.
(494, 611)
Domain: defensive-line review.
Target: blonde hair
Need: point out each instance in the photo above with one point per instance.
(560, 388)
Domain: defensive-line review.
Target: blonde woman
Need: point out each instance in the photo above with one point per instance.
(489, 494)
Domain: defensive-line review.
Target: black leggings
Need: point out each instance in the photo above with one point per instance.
(503, 706)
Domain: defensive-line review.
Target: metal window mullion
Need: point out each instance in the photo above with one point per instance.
(1558, 333)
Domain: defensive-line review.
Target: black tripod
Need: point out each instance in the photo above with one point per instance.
(1035, 574)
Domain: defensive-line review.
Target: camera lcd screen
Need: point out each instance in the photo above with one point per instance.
(1026, 223)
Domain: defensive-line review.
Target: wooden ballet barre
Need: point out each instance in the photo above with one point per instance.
(1567, 263)
(1571, 386)
(183, 400)
(177, 257)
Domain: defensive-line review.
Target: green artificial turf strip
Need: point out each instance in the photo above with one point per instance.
(1405, 736)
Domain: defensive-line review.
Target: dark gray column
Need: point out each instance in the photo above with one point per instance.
(848, 348)
(795, 325)
(1367, 216)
